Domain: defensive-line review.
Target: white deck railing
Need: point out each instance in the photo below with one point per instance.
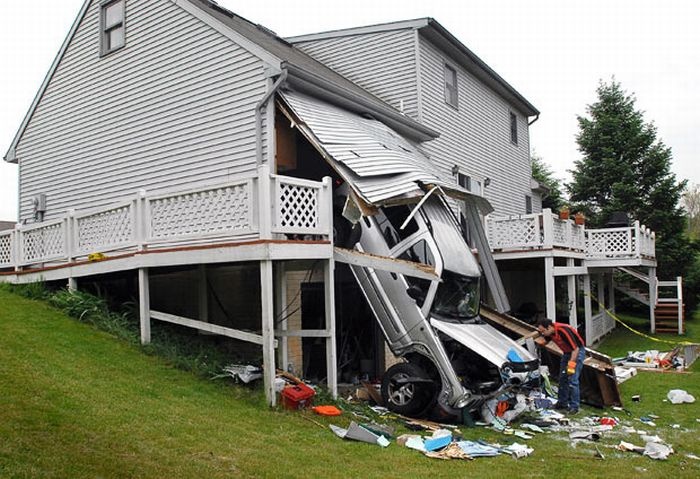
(545, 231)
(534, 231)
(265, 206)
(635, 241)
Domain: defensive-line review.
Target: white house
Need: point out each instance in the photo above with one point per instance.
(178, 140)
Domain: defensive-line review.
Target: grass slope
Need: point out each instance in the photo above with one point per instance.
(75, 402)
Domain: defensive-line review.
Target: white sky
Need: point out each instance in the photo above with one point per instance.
(552, 51)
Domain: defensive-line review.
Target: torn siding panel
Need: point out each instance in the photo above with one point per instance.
(175, 107)
(379, 163)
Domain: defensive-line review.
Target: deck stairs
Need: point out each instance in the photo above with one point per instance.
(669, 315)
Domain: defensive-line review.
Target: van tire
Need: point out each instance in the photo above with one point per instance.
(410, 398)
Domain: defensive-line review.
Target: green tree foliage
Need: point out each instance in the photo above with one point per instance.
(626, 168)
(543, 173)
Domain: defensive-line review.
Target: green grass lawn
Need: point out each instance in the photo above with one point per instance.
(76, 402)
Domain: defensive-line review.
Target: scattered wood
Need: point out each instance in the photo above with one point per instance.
(373, 393)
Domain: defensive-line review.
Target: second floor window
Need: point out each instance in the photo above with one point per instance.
(513, 128)
(112, 26)
(451, 86)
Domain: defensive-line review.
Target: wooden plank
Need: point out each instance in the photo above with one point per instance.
(303, 333)
(212, 328)
(385, 263)
(598, 381)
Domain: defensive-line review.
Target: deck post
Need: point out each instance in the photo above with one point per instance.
(331, 353)
(551, 309)
(652, 299)
(611, 285)
(281, 313)
(588, 312)
(679, 298)
(144, 306)
(548, 229)
(268, 329)
(72, 284)
(571, 286)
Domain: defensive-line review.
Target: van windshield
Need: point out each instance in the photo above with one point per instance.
(457, 296)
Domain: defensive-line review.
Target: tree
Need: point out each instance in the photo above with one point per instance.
(625, 168)
(691, 203)
(543, 173)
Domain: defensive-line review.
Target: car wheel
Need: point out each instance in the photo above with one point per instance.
(407, 389)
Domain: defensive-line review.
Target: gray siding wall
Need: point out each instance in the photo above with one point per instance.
(476, 135)
(536, 203)
(382, 63)
(174, 108)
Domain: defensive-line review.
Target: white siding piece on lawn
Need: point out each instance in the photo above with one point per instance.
(476, 135)
(383, 63)
(174, 107)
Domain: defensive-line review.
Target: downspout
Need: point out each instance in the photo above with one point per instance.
(258, 115)
(537, 117)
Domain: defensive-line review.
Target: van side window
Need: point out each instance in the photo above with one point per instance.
(419, 252)
(390, 220)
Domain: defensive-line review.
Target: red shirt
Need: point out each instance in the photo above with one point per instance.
(566, 337)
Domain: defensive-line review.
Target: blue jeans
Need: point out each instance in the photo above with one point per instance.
(569, 390)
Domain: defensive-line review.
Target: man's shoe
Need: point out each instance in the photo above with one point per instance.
(572, 411)
(560, 406)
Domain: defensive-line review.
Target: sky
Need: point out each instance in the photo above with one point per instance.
(553, 52)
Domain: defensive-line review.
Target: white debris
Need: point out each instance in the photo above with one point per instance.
(679, 396)
(657, 451)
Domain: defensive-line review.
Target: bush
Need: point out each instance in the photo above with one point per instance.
(691, 287)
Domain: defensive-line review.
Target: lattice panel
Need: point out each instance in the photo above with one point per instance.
(107, 228)
(6, 249)
(43, 243)
(212, 211)
(298, 207)
(610, 244)
(513, 232)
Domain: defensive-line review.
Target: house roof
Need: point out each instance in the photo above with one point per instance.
(448, 43)
(305, 73)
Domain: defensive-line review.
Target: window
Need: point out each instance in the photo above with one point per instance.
(390, 219)
(451, 86)
(513, 128)
(528, 204)
(112, 26)
(419, 252)
(464, 181)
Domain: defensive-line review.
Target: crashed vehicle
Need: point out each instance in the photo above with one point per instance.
(452, 359)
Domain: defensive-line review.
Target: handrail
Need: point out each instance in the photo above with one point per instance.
(206, 213)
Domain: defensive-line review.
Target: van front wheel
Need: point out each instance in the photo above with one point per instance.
(407, 389)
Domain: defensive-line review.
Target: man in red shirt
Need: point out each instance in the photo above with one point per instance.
(574, 349)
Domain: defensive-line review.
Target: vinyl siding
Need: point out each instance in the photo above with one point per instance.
(382, 63)
(173, 108)
(476, 135)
